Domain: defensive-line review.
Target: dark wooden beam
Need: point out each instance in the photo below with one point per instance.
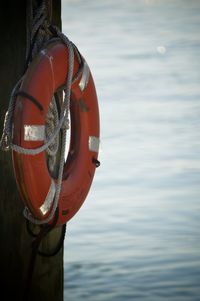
(15, 242)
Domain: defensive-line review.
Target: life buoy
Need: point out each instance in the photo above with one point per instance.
(44, 77)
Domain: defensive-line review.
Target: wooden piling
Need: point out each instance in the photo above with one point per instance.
(15, 242)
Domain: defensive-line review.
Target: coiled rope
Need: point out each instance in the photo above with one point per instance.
(51, 123)
(42, 33)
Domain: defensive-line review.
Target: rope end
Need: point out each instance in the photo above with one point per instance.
(4, 143)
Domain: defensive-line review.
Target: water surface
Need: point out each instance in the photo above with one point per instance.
(137, 236)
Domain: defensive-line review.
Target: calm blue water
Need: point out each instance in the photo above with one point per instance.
(137, 237)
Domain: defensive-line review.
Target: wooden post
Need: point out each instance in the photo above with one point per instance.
(15, 242)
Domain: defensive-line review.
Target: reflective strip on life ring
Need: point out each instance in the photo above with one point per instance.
(44, 76)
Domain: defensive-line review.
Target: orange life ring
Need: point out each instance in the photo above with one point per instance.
(43, 78)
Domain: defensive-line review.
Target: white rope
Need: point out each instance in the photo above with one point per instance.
(41, 37)
(51, 122)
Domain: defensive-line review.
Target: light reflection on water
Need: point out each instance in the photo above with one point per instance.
(137, 235)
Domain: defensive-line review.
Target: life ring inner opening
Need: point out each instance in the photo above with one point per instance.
(53, 152)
